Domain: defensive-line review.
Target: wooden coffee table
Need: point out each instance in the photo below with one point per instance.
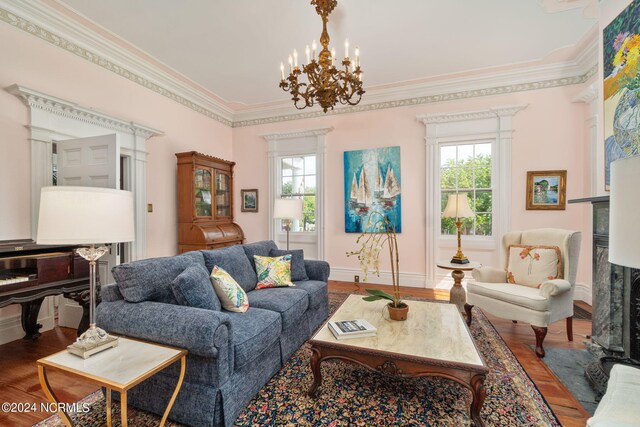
(433, 341)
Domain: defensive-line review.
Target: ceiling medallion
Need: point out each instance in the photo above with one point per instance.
(326, 84)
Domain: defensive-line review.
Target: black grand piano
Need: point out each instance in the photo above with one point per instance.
(31, 272)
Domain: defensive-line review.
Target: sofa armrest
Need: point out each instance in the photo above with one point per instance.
(317, 270)
(489, 275)
(203, 332)
(554, 287)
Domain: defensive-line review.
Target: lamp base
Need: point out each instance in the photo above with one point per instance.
(93, 341)
(459, 260)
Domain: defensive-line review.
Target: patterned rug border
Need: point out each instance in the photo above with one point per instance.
(97, 396)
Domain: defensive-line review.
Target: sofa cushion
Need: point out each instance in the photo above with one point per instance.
(234, 261)
(258, 248)
(532, 265)
(150, 279)
(231, 294)
(318, 292)
(290, 303)
(252, 332)
(298, 272)
(524, 296)
(193, 288)
(273, 272)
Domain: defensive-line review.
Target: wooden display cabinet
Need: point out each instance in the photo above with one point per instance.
(205, 203)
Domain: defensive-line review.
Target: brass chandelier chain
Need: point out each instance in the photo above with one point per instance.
(325, 83)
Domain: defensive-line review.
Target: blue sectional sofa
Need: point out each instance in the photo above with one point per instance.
(231, 355)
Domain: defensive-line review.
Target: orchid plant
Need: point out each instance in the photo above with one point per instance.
(381, 231)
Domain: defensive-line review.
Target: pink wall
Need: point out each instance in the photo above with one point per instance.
(38, 65)
(549, 134)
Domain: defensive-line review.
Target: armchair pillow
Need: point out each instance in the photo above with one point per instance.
(273, 272)
(232, 296)
(298, 270)
(193, 288)
(533, 265)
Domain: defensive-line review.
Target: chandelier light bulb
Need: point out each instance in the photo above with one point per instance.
(357, 61)
(290, 63)
(282, 70)
(308, 52)
(333, 56)
(295, 58)
(346, 48)
(314, 46)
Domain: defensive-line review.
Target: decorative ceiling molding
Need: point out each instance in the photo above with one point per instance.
(588, 95)
(44, 22)
(489, 113)
(68, 109)
(297, 133)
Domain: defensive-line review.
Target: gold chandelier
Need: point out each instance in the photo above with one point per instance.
(326, 84)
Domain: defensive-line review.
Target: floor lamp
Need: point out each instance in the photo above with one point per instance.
(458, 207)
(287, 210)
(86, 216)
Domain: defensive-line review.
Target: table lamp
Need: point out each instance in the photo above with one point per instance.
(86, 216)
(287, 210)
(624, 213)
(458, 207)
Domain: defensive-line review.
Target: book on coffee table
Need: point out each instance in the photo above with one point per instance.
(358, 328)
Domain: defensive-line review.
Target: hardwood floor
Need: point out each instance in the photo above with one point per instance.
(19, 376)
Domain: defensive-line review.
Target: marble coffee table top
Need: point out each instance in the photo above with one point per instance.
(434, 331)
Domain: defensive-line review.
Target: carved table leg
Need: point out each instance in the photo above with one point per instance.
(541, 332)
(467, 310)
(30, 323)
(477, 388)
(457, 294)
(317, 373)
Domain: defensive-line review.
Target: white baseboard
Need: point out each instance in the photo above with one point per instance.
(414, 280)
(582, 292)
(11, 326)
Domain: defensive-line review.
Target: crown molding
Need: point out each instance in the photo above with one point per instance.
(588, 95)
(68, 109)
(46, 23)
(275, 136)
(489, 113)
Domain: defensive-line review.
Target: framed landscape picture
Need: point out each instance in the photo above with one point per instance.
(546, 190)
(249, 200)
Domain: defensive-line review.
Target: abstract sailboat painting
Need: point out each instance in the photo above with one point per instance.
(372, 183)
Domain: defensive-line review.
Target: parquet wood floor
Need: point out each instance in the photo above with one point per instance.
(19, 376)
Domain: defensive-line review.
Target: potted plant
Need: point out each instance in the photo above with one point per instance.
(371, 243)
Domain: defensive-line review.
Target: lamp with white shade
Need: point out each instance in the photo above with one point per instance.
(458, 207)
(288, 210)
(87, 216)
(624, 213)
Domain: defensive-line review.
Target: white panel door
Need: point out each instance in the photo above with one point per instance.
(89, 162)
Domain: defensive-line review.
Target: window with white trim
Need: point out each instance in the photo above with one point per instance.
(468, 168)
(298, 180)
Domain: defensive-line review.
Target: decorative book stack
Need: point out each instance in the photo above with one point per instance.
(347, 329)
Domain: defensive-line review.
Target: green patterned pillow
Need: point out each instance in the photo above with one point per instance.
(273, 272)
(230, 294)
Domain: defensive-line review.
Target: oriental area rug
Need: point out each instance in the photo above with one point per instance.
(353, 396)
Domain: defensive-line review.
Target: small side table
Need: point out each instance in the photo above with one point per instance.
(119, 369)
(457, 294)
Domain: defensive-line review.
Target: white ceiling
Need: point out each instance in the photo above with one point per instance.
(234, 47)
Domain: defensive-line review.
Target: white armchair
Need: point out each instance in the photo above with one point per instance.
(551, 302)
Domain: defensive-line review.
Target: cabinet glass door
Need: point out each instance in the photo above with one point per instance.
(223, 204)
(202, 192)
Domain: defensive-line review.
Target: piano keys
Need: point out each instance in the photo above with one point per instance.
(31, 272)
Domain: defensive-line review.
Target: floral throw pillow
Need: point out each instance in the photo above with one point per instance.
(231, 295)
(273, 272)
(532, 265)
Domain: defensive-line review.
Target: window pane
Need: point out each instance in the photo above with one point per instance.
(448, 226)
(447, 155)
(309, 213)
(310, 165)
(483, 150)
(465, 153)
(310, 184)
(483, 177)
(465, 177)
(297, 164)
(444, 197)
(287, 185)
(483, 201)
(286, 167)
(298, 185)
(448, 178)
(483, 224)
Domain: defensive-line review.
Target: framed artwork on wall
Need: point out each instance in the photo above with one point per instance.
(249, 200)
(621, 87)
(372, 188)
(546, 190)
